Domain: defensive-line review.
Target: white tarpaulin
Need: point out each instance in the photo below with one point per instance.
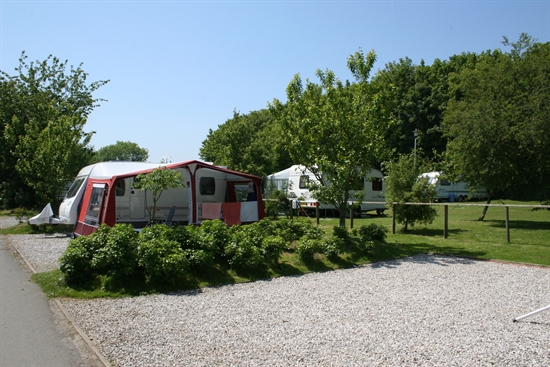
(45, 216)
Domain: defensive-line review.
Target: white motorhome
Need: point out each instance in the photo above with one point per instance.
(446, 190)
(106, 193)
(295, 182)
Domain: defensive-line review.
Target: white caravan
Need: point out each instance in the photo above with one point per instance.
(446, 190)
(294, 181)
(106, 193)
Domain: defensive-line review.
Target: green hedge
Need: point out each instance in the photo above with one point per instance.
(168, 256)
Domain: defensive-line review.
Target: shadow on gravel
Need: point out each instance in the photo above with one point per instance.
(389, 251)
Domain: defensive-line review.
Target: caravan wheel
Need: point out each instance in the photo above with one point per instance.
(460, 199)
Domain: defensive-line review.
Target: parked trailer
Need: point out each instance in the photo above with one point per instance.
(446, 190)
(294, 181)
(106, 193)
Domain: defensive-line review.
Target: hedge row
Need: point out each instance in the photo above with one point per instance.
(163, 255)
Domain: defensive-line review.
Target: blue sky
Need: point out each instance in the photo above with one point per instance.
(180, 68)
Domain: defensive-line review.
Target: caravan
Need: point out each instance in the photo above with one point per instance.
(294, 181)
(446, 190)
(106, 193)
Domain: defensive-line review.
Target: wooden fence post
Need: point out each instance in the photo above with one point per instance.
(393, 218)
(507, 224)
(446, 222)
(317, 214)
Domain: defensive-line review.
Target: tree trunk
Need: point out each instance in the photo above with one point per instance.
(342, 218)
(485, 209)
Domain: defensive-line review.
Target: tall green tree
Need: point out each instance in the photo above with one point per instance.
(497, 123)
(404, 185)
(417, 96)
(43, 109)
(251, 143)
(334, 130)
(122, 151)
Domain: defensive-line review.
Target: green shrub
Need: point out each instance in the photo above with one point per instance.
(76, 262)
(186, 236)
(278, 203)
(311, 230)
(373, 232)
(213, 236)
(306, 248)
(272, 248)
(332, 247)
(162, 260)
(117, 258)
(243, 251)
(341, 232)
(199, 259)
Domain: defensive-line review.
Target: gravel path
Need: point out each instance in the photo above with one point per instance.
(419, 311)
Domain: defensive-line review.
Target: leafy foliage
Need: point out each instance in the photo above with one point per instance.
(43, 110)
(497, 122)
(403, 185)
(122, 151)
(251, 143)
(163, 261)
(334, 129)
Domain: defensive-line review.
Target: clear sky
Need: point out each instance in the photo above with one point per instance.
(179, 68)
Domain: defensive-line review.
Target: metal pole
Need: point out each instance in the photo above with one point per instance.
(532, 313)
(351, 218)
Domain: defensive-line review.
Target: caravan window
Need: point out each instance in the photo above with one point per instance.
(377, 184)
(120, 188)
(444, 182)
(94, 209)
(304, 180)
(207, 186)
(74, 187)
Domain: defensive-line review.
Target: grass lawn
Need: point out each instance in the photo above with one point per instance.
(529, 234)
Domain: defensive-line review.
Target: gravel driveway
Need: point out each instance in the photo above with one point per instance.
(424, 310)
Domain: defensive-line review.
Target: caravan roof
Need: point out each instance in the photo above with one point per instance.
(285, 174)
(106, 170)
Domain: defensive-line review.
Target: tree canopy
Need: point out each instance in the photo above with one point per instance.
(43, 109)
(251, 143)
(497, 121)
(334, 130)
(122, 151)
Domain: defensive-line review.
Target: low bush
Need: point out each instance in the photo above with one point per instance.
(373, 232)
(159, 255)
(117, 256)
(243, 251)
(306, 248)
(163, 261)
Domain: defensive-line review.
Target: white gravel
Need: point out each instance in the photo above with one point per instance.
(419, 311)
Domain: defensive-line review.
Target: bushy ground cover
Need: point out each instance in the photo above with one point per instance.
(160, 258)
